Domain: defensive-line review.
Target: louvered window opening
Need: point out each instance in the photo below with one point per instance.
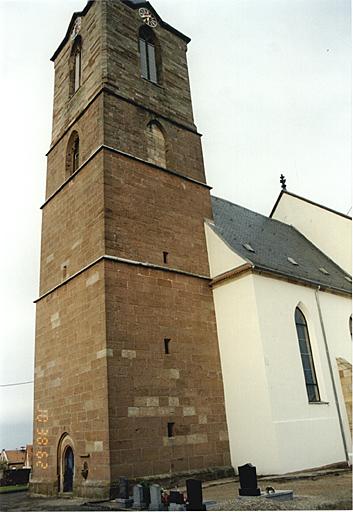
(148, 61)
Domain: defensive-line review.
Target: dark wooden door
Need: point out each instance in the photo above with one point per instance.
(68, 470)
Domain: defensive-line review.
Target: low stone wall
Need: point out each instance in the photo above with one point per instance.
(345, 372)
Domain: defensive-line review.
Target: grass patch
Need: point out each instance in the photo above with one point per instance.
(13, 488)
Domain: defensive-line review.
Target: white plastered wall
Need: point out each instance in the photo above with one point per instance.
(270, 421)
(336, 314)
(308, 435)
(220, 256)
(329, 231)
(248, 406)
(244, 377)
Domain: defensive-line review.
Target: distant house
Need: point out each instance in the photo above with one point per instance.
(18, 459)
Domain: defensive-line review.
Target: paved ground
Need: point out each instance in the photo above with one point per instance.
(327, 490)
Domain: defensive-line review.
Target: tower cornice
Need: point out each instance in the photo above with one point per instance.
(115, 259)
(108, 90)
(127, 155)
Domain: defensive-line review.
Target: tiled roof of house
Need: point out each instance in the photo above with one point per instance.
(16, 456)
(276, 247)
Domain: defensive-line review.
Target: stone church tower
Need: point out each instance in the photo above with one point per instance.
(127, 370)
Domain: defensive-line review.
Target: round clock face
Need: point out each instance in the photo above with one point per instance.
(147, 17)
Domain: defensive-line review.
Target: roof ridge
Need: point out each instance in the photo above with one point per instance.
(238, 205)
(322, 252)
(252, 211)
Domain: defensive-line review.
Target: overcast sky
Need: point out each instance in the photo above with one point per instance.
(271, 87)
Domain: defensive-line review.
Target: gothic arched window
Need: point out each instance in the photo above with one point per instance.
(156, 146)
(73, 154)
(307, 357)
(75, 65)
(148, 54)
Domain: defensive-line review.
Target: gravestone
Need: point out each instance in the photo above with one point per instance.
(146, 495)
(156, 498)
(176, 497)
(124, 498)
(176, 501)
(138, 497)
(194, 495)
(123, 488)
(248, 481)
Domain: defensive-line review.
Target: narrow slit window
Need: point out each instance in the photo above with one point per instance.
(76, 156)
(167, 345)
(165, 257)
(77, 69)
(75, 66)
(312, 387)
(72, 154)
(171, 429)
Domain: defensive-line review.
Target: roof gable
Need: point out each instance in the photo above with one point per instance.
(70, 28)
(16, 456)
(134, 4)
(285, 192)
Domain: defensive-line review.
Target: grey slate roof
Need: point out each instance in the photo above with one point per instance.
(273, 242)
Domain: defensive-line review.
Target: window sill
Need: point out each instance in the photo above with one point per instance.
(153, 83)
(319, 403)
(75, 93)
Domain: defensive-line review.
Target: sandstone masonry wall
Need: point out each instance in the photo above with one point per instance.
(148, 212)
(90, 130)
(67, 108)
(171, 97)
(125, 128)
(71, 378)
(73, 226)
(148, 388)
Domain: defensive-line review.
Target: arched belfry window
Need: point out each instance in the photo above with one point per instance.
(76, 65)
(156, 145)
(149, 55)
(73, 154)
(307, 357)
